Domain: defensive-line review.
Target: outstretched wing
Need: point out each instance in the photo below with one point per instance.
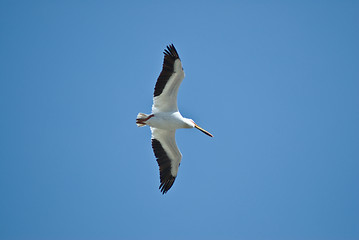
(171, 76)
(168, 156)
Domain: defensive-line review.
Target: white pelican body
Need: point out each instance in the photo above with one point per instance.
(166, 118)
(169, 121)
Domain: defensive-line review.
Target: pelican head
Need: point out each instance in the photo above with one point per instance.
(191, 124)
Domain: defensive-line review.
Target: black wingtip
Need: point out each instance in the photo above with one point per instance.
(171, 51)
(166, 184)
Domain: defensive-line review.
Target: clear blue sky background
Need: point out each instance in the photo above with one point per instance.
(277, 84)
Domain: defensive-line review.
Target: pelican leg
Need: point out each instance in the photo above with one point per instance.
(142, 121)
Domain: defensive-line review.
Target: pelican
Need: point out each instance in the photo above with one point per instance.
(165, 118)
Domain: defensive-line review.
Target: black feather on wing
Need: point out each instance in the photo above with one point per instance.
(167, 69)
(164, 162)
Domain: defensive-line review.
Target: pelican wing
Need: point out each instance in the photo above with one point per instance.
(168, 156)
(171, 76)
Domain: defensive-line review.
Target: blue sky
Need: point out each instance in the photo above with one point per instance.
(275, 82)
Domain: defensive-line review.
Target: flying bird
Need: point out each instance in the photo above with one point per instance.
(165, 118)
